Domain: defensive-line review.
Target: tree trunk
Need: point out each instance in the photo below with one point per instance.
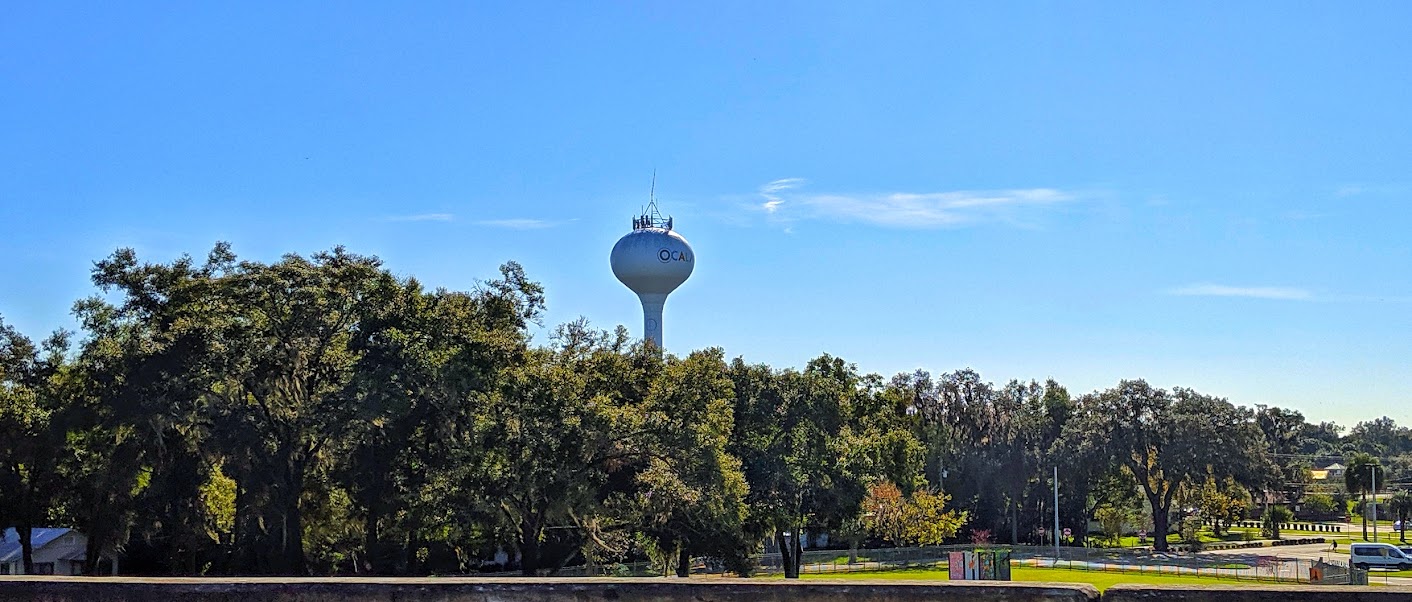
(414, 541)
(683, 561)
(249, 539)
(372, 549)
(529, 548)
(1364, 511)
(798, 550)
(292, 536)
(1160, 524)
(1014, 523)
(235, 557)
(90, 555)
(787, 557)
(26, 533)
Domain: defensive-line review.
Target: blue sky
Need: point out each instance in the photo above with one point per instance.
(1200, 194)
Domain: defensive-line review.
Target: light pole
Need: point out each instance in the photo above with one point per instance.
(1056, 515)
(1372, 471)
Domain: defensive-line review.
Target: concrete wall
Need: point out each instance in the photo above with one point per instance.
(121, 589)
(99, 589)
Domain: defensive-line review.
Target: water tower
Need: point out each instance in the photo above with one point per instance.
(653, 261)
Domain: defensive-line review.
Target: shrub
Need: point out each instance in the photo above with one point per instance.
(1113, 520)
(1319, 506)
(980, 536)
(1274, 516)
(1190, 530)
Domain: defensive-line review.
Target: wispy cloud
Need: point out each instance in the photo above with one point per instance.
(906, 209)
(1372, 189)
(782, 184)
(1301, 215)
(771, 190)
(1252, 292)
(1349, 190)
(422, 217)
(518, 223)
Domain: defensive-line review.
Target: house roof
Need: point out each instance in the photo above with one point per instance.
(41, 536)
(73, 552)
(1335, 466)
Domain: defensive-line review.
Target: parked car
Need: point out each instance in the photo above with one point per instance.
(1384, 555)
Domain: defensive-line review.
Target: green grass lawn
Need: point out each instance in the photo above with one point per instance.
(1099, 579)
(840, 559)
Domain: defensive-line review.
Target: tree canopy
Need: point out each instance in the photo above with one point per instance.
(323, 415)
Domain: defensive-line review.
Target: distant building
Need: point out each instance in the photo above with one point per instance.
(1336, 470)
(57, 551)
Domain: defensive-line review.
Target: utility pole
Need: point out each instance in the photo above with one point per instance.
(1056, 515)
(1372, 470)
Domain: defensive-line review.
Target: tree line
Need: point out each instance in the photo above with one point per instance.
(321, 415)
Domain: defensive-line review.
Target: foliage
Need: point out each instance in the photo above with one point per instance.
(884, 513)
(991, 448)
(539, 451)
(218, 502)
(1222, 505)
(321, 415)
(32, 433)
(1170, 440)
(919, 519)
(1363, 475)
(1270, 522)
(1320, 506)
(1190, 530)
(693, 490)
(928, 522)
(1114, 522)
(1400, 504)
(981, 537)
(795, 434)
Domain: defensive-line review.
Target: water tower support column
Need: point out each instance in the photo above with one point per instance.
(652, 317)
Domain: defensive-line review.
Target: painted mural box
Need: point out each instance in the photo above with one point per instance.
(979, 565)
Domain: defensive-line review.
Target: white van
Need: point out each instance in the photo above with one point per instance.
(1384, 555)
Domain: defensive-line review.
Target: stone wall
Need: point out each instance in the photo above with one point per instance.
(99, 589)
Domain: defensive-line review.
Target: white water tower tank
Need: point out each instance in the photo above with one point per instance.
(653, 261)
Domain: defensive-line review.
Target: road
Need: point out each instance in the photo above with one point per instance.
(1309, 552)
(1313, 551)
(1284, 563)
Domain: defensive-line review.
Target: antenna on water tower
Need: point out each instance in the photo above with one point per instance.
(652, 261)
